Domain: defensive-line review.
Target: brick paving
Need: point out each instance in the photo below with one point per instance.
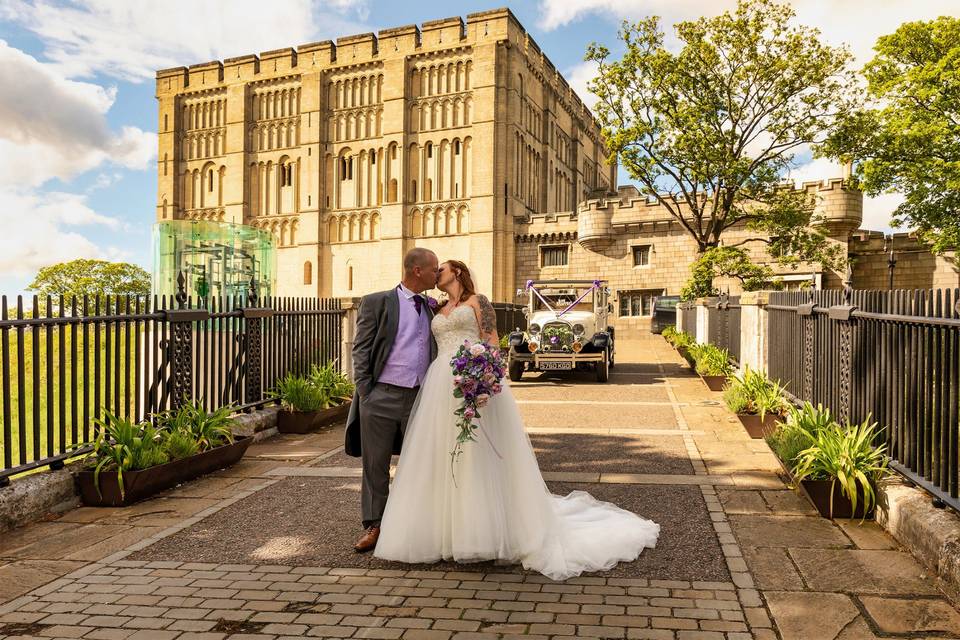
(261, 551)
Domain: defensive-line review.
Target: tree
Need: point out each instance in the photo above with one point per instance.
(91, 277)
(733, 262)
(909, 141)
(710, 130)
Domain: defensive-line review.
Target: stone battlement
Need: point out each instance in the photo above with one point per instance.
(431, 37)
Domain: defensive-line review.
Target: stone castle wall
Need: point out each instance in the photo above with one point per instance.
(446, 135)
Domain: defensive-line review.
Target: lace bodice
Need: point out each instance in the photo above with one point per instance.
(450, 331)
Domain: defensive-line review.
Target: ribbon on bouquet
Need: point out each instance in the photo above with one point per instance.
(596, 285)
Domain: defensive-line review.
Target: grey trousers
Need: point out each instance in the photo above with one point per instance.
(383, 411)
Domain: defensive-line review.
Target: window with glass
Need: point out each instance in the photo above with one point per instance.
(637, 304)
(641, 255)
(556, 256)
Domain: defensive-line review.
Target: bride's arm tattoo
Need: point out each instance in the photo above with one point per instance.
(488, 318)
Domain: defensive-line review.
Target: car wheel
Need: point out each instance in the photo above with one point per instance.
(516, 371)
(603, 374)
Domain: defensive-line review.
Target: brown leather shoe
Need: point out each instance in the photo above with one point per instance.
(368, 540)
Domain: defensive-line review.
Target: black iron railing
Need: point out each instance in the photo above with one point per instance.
(723, 323)
(509, 317)
(66, 361)
(891, 355)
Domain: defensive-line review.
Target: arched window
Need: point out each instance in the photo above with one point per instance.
(210, 181)
(429, 149)
(307, 273)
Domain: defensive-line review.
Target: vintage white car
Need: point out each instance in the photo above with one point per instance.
(567, 329)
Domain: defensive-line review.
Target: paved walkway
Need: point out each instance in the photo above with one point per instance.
(262, 550)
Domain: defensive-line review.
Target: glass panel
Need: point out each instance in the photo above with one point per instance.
(636, 305)
(624, 305)
(219, 259)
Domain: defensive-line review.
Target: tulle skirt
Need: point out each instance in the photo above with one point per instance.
(491, 503)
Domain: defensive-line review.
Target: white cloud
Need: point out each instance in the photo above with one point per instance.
(45, 230)
(878, 211)
(578, 77)
(54, 127)
(856, 23)
(116, 38)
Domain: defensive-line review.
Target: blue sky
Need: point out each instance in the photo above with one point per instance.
(78, 115)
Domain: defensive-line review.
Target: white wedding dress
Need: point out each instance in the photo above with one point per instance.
(498, 507)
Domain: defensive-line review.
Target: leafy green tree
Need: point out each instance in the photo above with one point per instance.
(91, 277)
(710, 129)
(733, 262)
(909, 142)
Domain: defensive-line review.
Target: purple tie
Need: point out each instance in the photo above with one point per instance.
(418, 302)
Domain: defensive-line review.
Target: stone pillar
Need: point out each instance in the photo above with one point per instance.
(679, 324)
(348, 332)
(753, 329)
(702, 333)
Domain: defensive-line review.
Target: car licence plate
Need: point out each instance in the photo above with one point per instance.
(556, 366)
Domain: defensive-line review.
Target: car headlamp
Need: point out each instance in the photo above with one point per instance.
(534, 328)
(578, 329)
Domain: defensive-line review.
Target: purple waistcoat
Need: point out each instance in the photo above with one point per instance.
(409, 357)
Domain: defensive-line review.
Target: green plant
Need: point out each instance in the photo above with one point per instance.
(668, 333)
(711, 360)
(505, 341)
(737, 399)
(208, 430)
(334, 385)
(150, 451)
(180, 444)
(793, 435)
(683, 340)
(754, 393)
(845, 454)
(297, 393)
(122, 445)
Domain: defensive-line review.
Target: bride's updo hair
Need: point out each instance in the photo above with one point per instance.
(464, 278)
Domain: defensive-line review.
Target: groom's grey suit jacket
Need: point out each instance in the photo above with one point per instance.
(377, 324)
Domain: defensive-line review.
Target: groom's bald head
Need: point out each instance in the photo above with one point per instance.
(418, 257)
(420, 268)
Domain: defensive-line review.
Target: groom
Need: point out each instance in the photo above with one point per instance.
(391, 352)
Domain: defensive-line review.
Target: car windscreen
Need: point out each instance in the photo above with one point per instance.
(560, 299)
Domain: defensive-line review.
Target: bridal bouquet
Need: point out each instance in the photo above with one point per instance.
(477, 372)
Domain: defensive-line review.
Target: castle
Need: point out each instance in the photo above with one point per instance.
(459, 136)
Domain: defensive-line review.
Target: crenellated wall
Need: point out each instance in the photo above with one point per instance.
(446, 135)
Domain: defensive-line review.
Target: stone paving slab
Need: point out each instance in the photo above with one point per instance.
(595, 391)
(562, 416)
(272, 526)
(589, 453)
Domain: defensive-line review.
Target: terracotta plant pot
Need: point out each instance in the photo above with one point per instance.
(141, 484)
(308, 421)
(685, 354)
(818, 491)
(758, 428)
(715, 383)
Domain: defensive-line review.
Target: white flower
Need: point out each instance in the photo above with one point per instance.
(477, 349)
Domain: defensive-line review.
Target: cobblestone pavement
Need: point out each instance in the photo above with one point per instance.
(261, 550)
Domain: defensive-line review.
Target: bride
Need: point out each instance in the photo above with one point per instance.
(499, 507)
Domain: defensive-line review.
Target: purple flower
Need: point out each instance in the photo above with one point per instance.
(431, 302)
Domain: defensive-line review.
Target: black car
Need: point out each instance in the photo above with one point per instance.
(664, 313)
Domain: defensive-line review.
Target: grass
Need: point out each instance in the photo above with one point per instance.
(44, 406)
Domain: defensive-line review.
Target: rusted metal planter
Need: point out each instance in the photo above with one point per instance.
(818, 492)
(144, 483)
(309, 421)
(715, 383)
(756, 427)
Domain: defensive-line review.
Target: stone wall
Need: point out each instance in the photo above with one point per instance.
(915, 268)
(447, 135)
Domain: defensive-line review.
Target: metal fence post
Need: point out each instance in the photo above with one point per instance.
(844, 315)
(180, 348)
(805, 311)
(253, 316)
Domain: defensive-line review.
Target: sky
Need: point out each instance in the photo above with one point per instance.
(78, 117)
